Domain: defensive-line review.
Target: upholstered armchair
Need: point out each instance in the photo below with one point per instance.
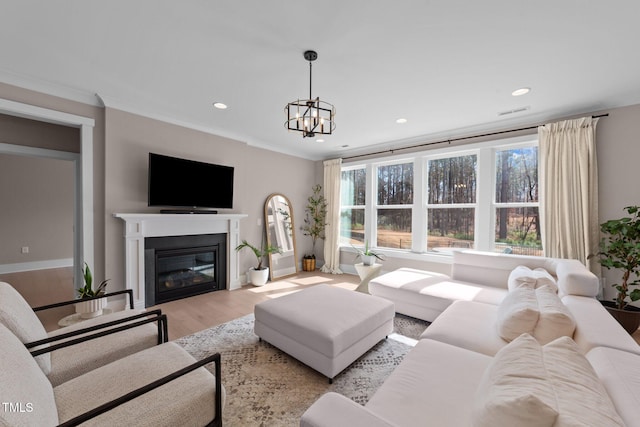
(159, 386)
(98, 341)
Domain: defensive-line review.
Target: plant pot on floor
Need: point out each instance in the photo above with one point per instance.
(91, 308)
(258, 277)
(629, 318)
(308, 264)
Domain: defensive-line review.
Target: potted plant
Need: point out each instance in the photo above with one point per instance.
(91, 307)
(367, 255)
(258, 275)
(315, 222)
(620, 249)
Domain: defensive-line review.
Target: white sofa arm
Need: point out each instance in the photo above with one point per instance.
(335, 410)
(575, 279)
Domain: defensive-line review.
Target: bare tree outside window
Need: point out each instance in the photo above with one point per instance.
(517, 215)
(395, 199)
(451, 186)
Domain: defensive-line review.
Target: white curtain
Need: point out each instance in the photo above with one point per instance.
(332, 175)
(569, 190)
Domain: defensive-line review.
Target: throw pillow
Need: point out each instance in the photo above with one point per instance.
(517, 313)
(544, 278)
(555, 319)
(514, 389)
(581, 397)
(521, 276)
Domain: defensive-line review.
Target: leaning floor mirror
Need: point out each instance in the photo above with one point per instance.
(278, 216)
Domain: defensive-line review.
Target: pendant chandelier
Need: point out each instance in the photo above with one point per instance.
(310, 116)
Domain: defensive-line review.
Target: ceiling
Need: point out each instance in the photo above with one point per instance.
(446, 66)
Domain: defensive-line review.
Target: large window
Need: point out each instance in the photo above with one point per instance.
(482, 196)
(352, 204)
(516, 201)
(394, 207)
(451, 202)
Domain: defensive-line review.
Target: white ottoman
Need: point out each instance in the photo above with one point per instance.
(324, 327)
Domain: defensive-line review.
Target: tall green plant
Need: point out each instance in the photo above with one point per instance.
(315, 219)
(620, 249)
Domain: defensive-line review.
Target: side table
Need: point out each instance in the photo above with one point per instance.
(366, 273)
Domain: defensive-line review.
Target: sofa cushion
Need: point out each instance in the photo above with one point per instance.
(619, 372)
(20, 319)
(596, 327)
(555, 319)
(581, 396)
(23, 382)
(425, 294)
(469, 325)
(432, 386)
(514, 390)
(523, 276)
(518, 313)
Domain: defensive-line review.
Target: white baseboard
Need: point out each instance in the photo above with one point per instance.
(35, 265)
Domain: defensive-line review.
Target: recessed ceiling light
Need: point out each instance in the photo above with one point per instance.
(220, 105)
(521, 91)
(320, 140)
(401, 121)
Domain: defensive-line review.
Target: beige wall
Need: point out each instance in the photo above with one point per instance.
(618, 148)
(258, 173)
(37, 209)
(37, 193)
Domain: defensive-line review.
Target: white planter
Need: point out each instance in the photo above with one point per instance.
(368, 259)
(258, 277)
(91, 308)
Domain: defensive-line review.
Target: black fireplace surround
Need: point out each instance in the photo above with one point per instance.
(182, 266)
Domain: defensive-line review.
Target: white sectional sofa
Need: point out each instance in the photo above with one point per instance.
(463, 373)
(475, 276)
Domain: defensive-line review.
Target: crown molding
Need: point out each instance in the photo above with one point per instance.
(48, 88)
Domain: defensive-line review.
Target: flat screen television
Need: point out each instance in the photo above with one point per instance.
(182, 183)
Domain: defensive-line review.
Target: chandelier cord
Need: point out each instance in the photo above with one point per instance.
(310, 67)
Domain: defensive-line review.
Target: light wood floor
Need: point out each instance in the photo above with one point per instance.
(42, 287)
(187, 315)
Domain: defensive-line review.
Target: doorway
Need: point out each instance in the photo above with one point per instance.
(83, 170)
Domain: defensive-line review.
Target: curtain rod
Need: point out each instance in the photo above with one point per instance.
(449, 141)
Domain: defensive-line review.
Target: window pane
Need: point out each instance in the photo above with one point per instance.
(517, 231)
(352, 226)
(394, 228)
(395, 184)
(450, 228)
(352, 187)
(517, 175)
(452, 180)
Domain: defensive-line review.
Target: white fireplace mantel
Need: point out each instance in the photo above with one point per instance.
(141, 225)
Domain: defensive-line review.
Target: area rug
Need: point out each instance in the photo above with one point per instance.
(268, 387)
